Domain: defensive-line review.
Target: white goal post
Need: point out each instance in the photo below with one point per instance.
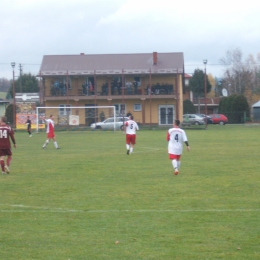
(66, 116)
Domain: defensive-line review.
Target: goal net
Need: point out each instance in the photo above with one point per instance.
(79, 118)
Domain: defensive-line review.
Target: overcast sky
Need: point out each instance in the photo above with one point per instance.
(30, 29)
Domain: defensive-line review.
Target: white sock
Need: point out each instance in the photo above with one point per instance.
(174, 164)
(179, 164)
(46, 142)
(127, 146)
(131, 150)
(55, 144)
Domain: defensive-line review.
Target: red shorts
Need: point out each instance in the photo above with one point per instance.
(130, 139)
(4, 152)
(174, 156)
(50, 135)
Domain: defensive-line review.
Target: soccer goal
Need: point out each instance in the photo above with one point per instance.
(79, 118)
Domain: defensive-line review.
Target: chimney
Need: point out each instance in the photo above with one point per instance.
(155, 58)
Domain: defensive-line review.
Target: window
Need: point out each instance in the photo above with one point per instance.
(64, 110)
(89, 80)
(69, 83)
(138, 80)
(137, 107)
(117, 79)
(120, 109)
(109, 120)
(166, 114)
(61, 83)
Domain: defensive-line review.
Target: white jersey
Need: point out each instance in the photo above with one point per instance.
(50, 125)
(131, 127)
(176, 137)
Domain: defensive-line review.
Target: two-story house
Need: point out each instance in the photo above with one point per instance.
(149, 85)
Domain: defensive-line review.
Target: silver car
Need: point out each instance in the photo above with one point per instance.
(193, 119)
(109, 123)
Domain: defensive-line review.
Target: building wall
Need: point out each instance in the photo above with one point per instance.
(142, 116)
(149, 112)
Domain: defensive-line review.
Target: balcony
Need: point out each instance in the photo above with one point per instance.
(129, 92)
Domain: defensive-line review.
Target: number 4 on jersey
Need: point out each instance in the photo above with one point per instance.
(176, 138)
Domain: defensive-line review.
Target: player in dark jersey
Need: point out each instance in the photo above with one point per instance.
(29, 125)
(6, 132)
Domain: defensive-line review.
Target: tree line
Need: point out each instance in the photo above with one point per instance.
(240, 76)
(235, 107)
(26, 83)
(241, 80)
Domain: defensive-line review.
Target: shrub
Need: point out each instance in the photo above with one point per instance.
(188, 107)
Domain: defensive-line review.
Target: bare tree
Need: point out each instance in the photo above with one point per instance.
(240, 75)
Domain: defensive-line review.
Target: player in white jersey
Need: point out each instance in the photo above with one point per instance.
(176, 137)
(130, 128)
(50, 133)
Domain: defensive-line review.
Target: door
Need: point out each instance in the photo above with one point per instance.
(166, 114)
(89, 114)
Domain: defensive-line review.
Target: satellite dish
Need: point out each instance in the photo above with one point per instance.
(224, 92)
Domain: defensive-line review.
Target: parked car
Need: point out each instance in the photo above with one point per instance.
(219, 119)
(206, 117)
(108, 124)
(193, 119)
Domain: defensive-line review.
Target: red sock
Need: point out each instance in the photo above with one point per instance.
(2, 165)
(8, 161)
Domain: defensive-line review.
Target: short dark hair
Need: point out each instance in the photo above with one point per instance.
(3, 119)
(177, 122)
(131, 117)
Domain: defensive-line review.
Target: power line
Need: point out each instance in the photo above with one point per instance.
(30, 64)
(220, 64)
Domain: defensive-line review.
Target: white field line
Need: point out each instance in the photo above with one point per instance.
(23, 208)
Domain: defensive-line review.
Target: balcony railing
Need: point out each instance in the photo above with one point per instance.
(115, 91)
(125, 92)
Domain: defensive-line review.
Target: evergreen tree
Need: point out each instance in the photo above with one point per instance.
(234, 107)
(197, 83)
(9, 113)
(26, 83)
(188, 107)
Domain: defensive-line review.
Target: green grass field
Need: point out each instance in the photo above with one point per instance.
(89, 200)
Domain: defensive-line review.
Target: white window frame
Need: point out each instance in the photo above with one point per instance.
(118, 108)
(136, 107)
(64, 109)
(166, 107)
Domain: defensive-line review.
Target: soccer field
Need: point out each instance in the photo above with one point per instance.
(89, 200)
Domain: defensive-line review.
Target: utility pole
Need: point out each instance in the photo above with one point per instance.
(205, 92)
(14, 103)
(21, 72)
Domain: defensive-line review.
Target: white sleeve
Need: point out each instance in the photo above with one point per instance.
(185, 139)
